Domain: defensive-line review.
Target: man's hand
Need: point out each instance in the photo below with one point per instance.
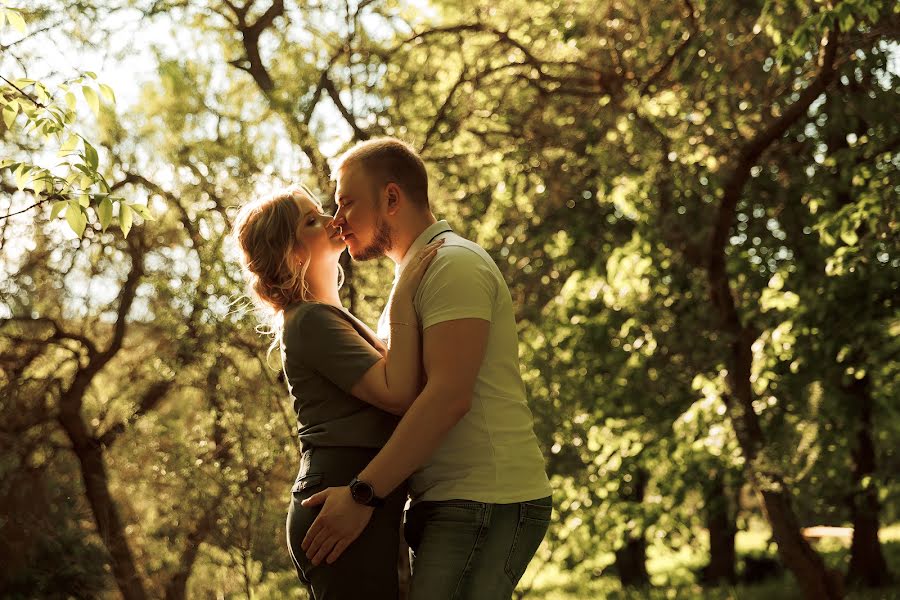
(341, 521)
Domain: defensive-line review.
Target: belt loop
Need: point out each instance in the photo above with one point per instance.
(305, 460)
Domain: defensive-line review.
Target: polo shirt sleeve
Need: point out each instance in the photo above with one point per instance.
(459, 284)
(331, 346)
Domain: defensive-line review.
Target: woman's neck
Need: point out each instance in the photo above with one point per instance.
(323, 288)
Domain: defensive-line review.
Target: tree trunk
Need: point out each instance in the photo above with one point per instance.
(109, 525)
(89, 450)
(631, 558)
(814, 580)
(176, 588)
(720, 522)
(631, 562)
(867, 564)
(796, 554)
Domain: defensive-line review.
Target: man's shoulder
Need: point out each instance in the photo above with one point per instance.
(459, 250)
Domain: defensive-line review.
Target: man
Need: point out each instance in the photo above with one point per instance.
(479, 491)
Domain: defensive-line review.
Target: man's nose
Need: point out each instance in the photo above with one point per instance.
(338, 219)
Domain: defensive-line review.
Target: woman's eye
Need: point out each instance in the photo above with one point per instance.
(311, 222)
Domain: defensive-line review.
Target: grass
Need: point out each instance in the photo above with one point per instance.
(672, 574)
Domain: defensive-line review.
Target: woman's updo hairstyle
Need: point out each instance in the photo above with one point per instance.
(271, 255)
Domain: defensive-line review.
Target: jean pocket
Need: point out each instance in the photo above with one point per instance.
(537, 510)
(307, 482)
(534, 520)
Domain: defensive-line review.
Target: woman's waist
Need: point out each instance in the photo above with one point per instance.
(335, 462)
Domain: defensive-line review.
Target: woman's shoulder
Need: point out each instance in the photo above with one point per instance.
(310, 316)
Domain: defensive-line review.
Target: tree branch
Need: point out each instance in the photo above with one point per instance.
(664, 68)
(328, 85)
(751, 151)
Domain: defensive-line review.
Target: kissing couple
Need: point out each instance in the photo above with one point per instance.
(428, 411)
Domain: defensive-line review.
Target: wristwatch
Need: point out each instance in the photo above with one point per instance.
(364, 493)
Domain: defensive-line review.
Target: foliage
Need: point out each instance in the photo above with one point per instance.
(76, 184)
(588, 147)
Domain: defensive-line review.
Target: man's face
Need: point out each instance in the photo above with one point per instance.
(359, 215)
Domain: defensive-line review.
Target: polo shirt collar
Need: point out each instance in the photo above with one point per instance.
(425, 238)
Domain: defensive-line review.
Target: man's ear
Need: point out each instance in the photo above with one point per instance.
(393, 193)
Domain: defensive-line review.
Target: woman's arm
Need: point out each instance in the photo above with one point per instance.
(393, 383)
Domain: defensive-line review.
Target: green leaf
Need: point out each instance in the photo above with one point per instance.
(849, 237)
(92, 99)
(9, 115)
(104, 211)
(90, 155)
(847, 21)
(76, 218)
(91, 74)
(16, 20)
(21, 176)
(143, 211)
(125, 218)
(69, 145)
(82, 169)
(71, 102)
(58, 207)
(108, 93)
(38, 186)
(84, 200)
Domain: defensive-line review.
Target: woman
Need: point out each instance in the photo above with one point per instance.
(346, 386)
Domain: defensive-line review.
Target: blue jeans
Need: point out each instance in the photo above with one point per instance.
(465, 550)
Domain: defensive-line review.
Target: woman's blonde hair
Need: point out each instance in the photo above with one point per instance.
(266, 233)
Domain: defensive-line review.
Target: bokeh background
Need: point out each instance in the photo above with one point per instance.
(693, 202)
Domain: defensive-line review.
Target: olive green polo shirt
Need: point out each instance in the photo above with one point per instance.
(325, 351)
(492, 454)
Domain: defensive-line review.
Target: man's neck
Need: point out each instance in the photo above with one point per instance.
(405, 234)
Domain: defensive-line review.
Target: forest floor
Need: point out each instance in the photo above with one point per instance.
(673, 574)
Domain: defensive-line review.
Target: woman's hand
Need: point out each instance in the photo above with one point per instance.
(405, 291)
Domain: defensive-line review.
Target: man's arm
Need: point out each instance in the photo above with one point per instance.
(452, 354)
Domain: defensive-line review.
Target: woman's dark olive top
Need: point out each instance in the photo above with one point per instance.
(325, 351)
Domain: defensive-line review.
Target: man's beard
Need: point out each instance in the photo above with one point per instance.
(382, 243)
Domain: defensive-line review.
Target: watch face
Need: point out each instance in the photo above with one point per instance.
(362, 492)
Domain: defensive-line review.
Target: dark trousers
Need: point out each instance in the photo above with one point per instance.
(368, 567)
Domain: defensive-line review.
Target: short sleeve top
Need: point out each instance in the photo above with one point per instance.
(325, 352)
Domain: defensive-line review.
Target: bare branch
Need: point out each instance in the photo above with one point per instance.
(336, 98)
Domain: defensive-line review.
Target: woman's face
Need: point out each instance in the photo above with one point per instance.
(321, 241)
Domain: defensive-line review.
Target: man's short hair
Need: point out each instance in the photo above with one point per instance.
(389, 160)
